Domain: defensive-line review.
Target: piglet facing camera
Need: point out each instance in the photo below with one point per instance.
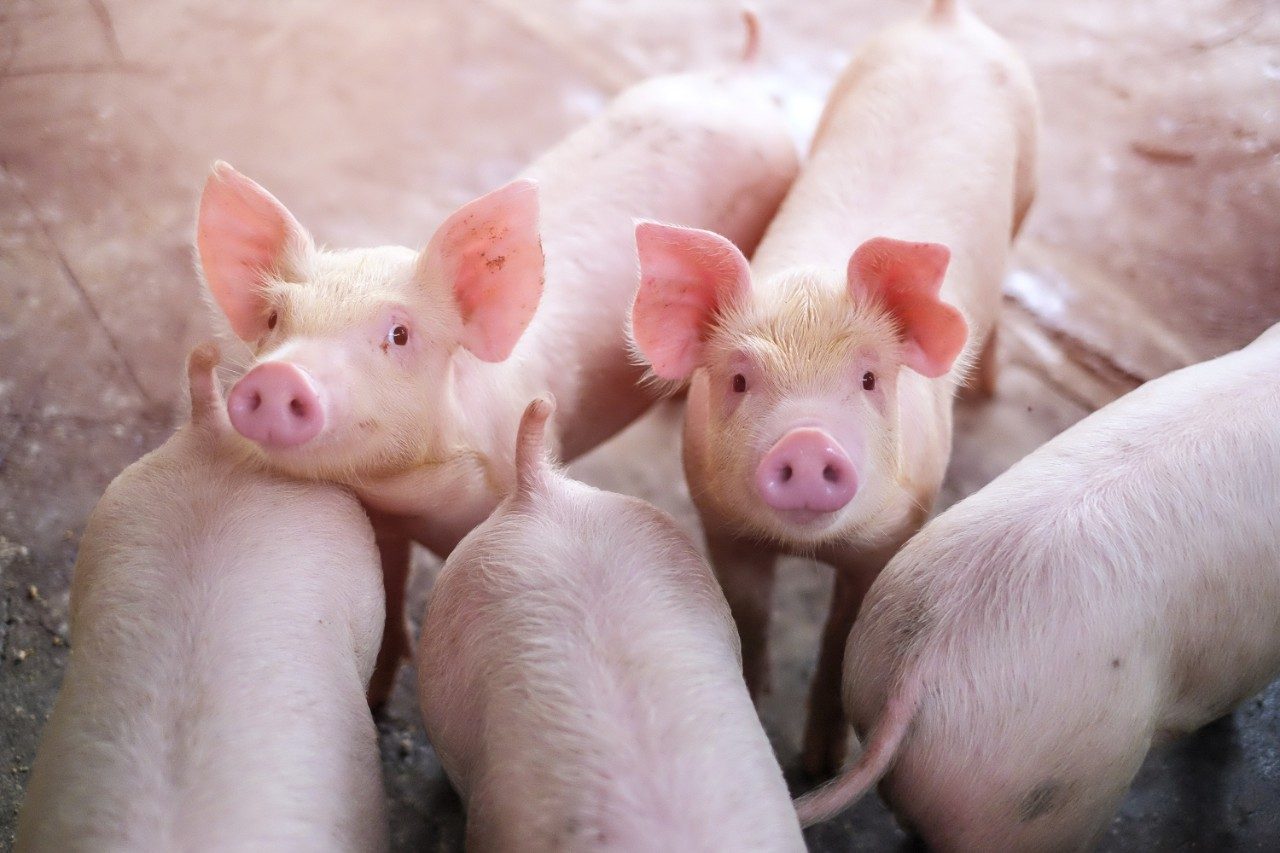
(224, 624)
(1011, 667)
(580, 678)
(821, 375)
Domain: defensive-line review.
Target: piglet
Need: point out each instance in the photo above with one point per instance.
(580, 678)
(1119, 586)
(224, 623)
(404, 373)
(822, 376)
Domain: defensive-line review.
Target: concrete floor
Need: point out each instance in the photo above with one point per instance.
(1153, 244)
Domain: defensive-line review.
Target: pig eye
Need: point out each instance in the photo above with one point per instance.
(739, 383)
(869, 381)
(399, 335)
(272, 319)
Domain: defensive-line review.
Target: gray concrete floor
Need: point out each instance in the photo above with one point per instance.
(1153, 245)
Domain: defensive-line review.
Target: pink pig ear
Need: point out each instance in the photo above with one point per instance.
(243, 235)
(686, 276)
(906, 277)
(488, 253)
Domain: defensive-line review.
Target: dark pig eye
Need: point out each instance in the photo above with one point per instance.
(869, 381)
(399, 336)
(272, 319)
(739, 383)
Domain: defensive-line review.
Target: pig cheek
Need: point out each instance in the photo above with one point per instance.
(706, 438)
(696, 425)
(871, 443)
(730, 400)
(738, 453)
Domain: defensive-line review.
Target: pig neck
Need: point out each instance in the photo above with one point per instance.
(466, 466)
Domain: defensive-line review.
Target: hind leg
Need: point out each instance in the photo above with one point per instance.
(395, 551)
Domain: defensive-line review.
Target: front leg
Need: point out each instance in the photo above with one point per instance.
(981, 383)
(826, 733)
(395, 550)
(746, 574)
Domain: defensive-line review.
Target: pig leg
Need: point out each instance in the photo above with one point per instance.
(826, 733)
(981, 384)
(395, 549)
(746, 571)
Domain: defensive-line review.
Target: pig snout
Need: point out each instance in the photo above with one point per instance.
(806, 473)
(277, 405)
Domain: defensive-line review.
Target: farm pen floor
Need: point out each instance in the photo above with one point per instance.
(1155, 242)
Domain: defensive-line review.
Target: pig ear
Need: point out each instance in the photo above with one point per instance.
(243, 235)
(905, 278)
(686, 276)
(489, 255)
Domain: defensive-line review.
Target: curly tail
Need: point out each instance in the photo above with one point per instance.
(751, 49)
(944, 9)
(206, 396)
(531, 443)
(877, 757)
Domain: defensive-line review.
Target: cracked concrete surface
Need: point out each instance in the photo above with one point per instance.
(1153, 244)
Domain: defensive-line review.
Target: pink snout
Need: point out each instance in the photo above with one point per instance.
(277, 405)
(806, 472)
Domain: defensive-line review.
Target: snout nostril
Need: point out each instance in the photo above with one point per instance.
(297, 407)
(830, 474)
(785, 473)
(255, 401)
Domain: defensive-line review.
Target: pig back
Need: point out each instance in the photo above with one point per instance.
(702, 150)
(224, 622)
(603, 671)
(929, 135)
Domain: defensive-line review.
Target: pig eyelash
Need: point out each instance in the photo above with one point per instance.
(868, 381)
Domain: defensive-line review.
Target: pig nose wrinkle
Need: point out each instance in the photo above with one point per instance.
(806, 470)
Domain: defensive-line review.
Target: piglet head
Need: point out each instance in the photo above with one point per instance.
(351, 348)
(792, 425)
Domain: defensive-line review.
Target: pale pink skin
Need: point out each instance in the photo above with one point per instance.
(580, 679)
(224, 624)
(424, 431)
(1119, 586)
(883, 267)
